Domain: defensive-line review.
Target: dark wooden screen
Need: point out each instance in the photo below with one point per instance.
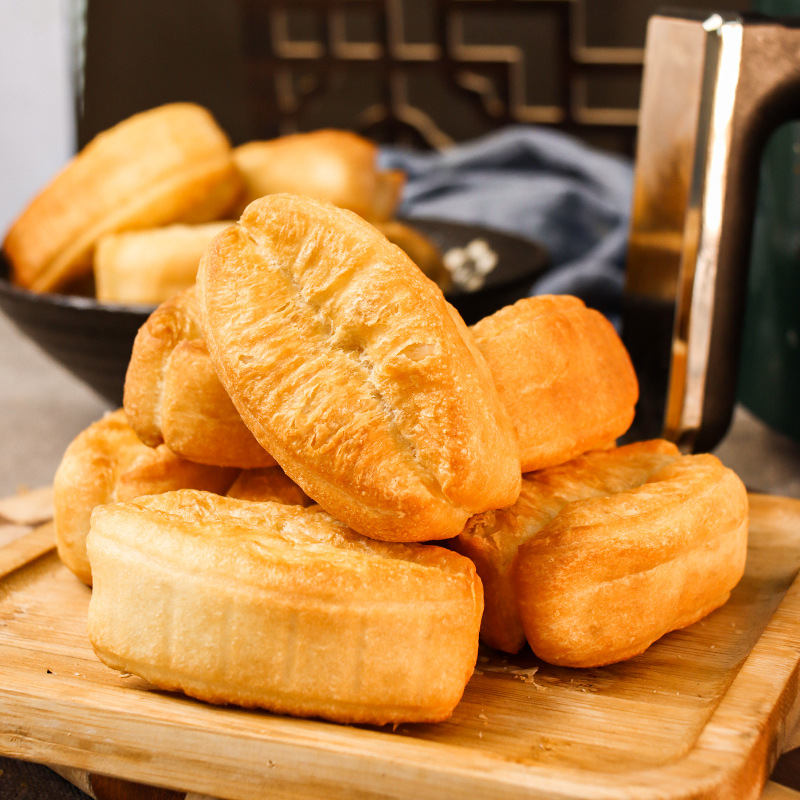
(426, 72)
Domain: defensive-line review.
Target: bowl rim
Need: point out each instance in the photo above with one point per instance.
(539, 264)
(67, 301)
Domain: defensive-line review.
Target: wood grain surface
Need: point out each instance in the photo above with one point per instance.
(704, 713)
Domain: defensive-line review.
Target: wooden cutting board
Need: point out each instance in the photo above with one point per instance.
(704, 713)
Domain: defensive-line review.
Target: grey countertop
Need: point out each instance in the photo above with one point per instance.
(42, 408)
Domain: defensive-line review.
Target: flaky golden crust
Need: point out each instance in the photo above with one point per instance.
(337, 166)
(173, 396)
(270, 483)
(152, 265)
(610, 575)
(86, 478)
(169, 164)
(563, 374)
(350, 368)
(108, 462)
(492, 540)
(264, 604)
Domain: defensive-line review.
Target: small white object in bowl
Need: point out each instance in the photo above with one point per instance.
(468, 266)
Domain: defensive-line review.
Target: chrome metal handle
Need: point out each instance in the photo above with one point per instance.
(714, 89)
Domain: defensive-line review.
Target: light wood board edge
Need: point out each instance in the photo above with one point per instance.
(27, 548)
(29, 507)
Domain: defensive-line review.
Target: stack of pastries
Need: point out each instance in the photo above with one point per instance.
(129, 217)
(324, 488)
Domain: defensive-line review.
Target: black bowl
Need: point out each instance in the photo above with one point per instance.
(93, 340)
(511, 265)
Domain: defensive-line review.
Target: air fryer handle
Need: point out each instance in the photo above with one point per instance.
(714, 90)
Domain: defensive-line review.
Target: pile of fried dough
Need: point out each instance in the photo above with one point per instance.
(128, 219)
(324, 488)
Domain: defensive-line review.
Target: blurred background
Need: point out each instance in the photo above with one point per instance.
(71, 68)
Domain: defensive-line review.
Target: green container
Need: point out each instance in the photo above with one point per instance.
(769, 379)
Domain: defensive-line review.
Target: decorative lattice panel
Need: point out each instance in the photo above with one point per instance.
(430, 72)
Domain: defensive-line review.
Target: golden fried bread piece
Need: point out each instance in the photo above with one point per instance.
(332, 165)
(169, 164)
(563, 374)
(269, 483)
(173, 396)
(492, 539)
(350, 368)
(609, 575)
(107, 462)
(152, 265)
(277, 606)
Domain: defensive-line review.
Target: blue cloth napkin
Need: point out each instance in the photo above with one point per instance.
(536, 183)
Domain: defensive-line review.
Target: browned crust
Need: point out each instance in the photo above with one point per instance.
(270, 483)
(264, 604)
(421, 250)
(333, 165)
(610, 575)
(492, 540)
(173, 396)
(563, 374)
(349, 367)
(168, 164)
(150, 266)
(108, 462)
(584, 403)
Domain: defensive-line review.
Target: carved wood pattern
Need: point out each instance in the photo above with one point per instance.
(288, 73)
